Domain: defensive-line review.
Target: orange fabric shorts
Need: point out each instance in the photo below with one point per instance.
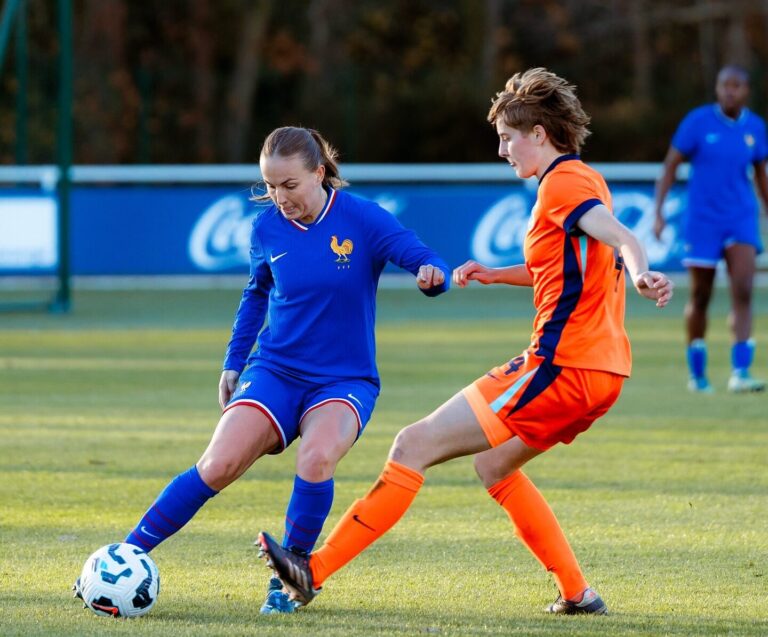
(540, 402)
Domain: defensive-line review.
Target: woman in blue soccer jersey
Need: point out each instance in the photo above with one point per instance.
(315, 260)
(722, 141)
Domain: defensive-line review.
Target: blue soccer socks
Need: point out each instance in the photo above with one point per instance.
(174, 507)
(742, 354)
(697, 358)
(307, 510)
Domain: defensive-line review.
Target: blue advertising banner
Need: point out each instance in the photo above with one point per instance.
(167, 230)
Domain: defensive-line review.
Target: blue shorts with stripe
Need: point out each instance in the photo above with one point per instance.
(286, 399)
(706, 240)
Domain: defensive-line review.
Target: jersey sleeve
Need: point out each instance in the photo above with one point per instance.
(567, 197)
(686, 137)
(250, 315)
(396, 244)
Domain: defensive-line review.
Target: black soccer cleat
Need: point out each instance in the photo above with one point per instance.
(291, 567)
(591, 604)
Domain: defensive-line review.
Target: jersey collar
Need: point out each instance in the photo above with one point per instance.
(328, 203)
(557, 161)
(727, 120)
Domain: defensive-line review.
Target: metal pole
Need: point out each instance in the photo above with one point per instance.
(64, 153)
(6, 21)
(22, 105)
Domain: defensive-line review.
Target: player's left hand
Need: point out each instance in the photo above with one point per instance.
(429, 276)
(655, 286)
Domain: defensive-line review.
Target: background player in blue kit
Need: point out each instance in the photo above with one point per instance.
(315, 261)
(722, 141)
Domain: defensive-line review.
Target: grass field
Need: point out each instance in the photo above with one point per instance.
(665, 500)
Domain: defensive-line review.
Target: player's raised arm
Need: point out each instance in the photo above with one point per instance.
(600, 224)
(474, 271)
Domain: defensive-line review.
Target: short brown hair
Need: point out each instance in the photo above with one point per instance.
(538, 96)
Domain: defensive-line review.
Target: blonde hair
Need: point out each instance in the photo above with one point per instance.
(308, 144)
(538, 96)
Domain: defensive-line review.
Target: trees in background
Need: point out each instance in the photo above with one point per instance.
(202, 81)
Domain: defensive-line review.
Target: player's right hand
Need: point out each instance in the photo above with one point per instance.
(658, 227)
(227, 384)
(655, 286)
(472, 271)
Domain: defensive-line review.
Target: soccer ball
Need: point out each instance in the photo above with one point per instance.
(119, 580)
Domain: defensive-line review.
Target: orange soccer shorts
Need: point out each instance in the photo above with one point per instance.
(539, 401)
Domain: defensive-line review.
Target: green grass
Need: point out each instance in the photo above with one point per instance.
(664, 499)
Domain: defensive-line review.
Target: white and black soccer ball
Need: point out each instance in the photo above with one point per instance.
(119, 580)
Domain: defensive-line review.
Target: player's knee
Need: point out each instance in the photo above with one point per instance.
(408, 444)
(742, 293)
(316, 463)
(218, 472)
(489, 471)
(699, 301)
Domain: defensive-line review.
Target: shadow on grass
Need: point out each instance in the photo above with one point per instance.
(56, 615)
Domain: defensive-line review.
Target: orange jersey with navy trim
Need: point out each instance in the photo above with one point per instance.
(578, 281)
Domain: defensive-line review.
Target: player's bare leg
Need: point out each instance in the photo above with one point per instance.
(449, 432)
(243, 435)
(327, 434)
(702, 284)
(740, 259)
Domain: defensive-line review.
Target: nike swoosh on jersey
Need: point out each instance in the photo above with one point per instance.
(275, 257)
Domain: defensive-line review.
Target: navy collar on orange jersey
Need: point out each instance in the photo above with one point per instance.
(560, 159)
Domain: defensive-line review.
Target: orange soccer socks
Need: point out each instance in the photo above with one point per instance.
(537, 527)
(367, 519)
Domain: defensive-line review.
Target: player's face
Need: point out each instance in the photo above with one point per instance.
(732, 91)
(519, 149)
(296, 191)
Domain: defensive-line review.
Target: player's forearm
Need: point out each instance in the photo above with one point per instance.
(513, 275)
(761, 180)
(249, 320)
(634, 256)
(663, 186)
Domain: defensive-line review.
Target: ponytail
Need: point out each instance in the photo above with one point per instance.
(308, 144)
(330, 157)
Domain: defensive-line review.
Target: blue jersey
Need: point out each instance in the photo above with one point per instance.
(721, 151)
(316, 284)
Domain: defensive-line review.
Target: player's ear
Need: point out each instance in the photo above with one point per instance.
(539, 133)
(320, 173)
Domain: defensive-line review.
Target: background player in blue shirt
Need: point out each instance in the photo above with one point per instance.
(315, 261)
(722, 141)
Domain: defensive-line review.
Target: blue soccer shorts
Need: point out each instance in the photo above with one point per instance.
(285, 399)
(706, 240)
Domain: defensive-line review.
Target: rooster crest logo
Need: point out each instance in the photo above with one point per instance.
(341, 250)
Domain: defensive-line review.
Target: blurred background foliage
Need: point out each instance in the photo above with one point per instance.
(203, 81)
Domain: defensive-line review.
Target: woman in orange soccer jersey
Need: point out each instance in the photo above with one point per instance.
(570, 374)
